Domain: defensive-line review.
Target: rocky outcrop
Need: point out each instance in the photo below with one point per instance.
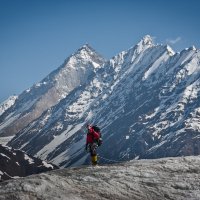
(15, 164)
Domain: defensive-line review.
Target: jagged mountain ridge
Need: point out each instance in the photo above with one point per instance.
(16, 163)
(145, 100)
(29, 105)
(7, 104)
(169, 178)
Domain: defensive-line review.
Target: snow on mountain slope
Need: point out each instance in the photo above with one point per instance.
(75, 71)
(145, 99)
(7, 104)
(5, 140)
(15, 164)
(171, 178)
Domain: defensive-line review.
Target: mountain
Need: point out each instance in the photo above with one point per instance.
(171, 178)
(7, 104)
(29, 105)
(15, 164)
(145, 99)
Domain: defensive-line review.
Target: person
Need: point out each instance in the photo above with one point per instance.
(92, 140)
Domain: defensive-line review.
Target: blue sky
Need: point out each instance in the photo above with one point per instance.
(36, 36)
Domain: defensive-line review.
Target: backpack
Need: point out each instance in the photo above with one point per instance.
(98, 130)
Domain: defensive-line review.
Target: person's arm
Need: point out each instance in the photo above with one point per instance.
(95, 135)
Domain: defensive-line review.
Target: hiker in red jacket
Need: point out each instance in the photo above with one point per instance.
(92, 142)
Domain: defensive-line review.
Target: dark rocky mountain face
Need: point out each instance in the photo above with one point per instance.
(145, 99)
(15, 164)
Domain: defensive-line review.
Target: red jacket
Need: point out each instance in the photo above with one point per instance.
(92, 136)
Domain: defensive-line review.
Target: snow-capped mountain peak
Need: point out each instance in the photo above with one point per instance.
(145, 43)
(170, 50)
(193, 48)
(147, 40)
(77, 69)
(74, 72)
(84, 50)
(86, 47)
(87, 54)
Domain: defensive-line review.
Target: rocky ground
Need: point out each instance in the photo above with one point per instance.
(168, 178)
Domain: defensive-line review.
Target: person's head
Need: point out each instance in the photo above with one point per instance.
(89, 126)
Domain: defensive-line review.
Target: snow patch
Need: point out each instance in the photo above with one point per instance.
(7, 104)
(5, 140)
(47, 165)
(4, 155)
(30, 160)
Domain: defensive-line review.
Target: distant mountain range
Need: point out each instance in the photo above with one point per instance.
(146, 101)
